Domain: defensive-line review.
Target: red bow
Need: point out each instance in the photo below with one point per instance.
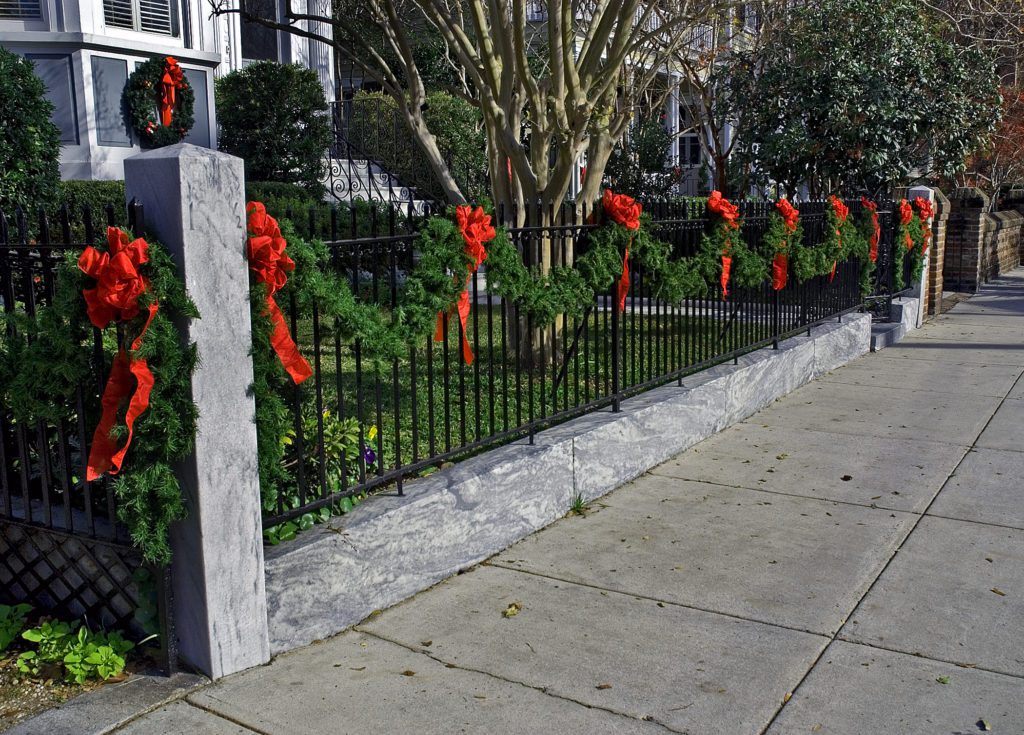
(906, 212)
(476, 230)
(624, 210)
(725, 209)
(115, 298)
(170, 83)
(790, 214)
(876, 232)
(271, 265)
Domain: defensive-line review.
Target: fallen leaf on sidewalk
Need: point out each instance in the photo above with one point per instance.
(426, 644)
(408, 672)
(603, 686)
(999, 592)
(789, 696)
(982, 725)
(846, 478)
(816, 728)
(357, 668)
(943, 680)
(512, 610)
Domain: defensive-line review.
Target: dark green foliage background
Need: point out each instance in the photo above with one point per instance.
(274, 116)
(29, 141)
(857, 94)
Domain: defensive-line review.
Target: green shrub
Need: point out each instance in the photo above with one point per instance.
(82, 654)
(12, 622)
(96, 195)
(29, 141)
(274, 116)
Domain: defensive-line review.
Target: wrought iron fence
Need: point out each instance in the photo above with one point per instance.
(430, 407)
(62, 548)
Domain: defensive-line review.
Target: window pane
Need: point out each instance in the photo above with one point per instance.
(55, 71)
(108, 79)
(260, 42)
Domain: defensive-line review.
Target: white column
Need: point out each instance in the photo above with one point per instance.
(193, 202)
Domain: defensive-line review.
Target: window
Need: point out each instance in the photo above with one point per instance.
(55, 71)
(260, 43)
(151, 16)
(20, 10)
(689, 150)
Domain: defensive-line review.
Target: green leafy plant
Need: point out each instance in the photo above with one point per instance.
(82, 654)
(274, 116)
(12, 623)
(29, 141)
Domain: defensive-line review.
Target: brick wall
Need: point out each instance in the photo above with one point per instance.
(979, 245)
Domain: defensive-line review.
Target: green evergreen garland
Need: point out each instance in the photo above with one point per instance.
(44, 370)
(913, 233)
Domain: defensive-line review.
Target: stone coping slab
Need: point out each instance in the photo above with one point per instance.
(387, 550)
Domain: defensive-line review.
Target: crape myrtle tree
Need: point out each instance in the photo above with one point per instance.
(861, 95)
(553, 79)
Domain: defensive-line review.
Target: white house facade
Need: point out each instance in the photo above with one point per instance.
(84, 51)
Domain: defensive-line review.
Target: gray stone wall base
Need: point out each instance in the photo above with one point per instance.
(393, 547)
(903, 317)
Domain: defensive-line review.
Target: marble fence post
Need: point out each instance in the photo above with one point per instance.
(193, 201)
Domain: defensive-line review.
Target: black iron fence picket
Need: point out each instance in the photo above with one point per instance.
(430, 408)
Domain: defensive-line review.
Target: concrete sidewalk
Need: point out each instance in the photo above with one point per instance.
(849, 560)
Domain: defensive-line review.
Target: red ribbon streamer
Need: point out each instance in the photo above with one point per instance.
(170, 83)
(115, 297)
(726, 267)
(476, 230)
(104, 456)
(624, 210)
(780, 271)
(271, 265)
(623, 284)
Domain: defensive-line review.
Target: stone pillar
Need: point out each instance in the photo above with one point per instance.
(194, 203)
(938, 253)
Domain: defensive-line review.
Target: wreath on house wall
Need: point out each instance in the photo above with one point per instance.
(160, 102)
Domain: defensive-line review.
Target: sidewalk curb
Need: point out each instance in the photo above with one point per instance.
(394, 547)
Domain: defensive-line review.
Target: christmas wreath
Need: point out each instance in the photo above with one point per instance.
(160, 102)
(723, 256)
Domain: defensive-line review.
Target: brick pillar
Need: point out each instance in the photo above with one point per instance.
(938, 253)
(965, 240)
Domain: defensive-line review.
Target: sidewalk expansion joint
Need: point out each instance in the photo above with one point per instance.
(959, 664)
(227, 718)
(869, 506)
(839, 635)
(657, 600)
(542, 690)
